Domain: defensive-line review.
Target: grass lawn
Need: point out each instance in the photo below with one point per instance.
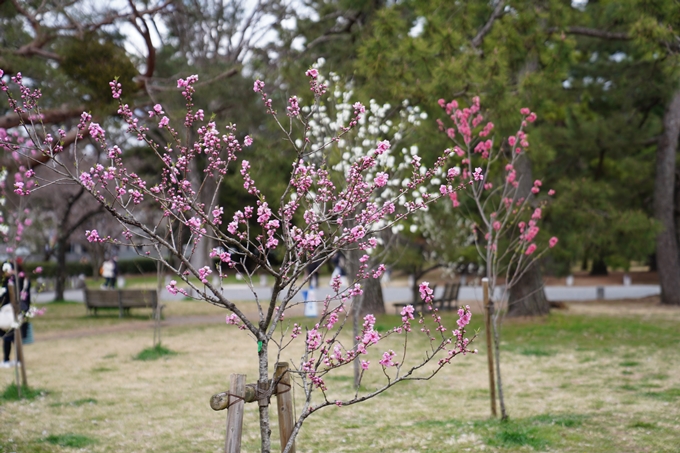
(594, 378)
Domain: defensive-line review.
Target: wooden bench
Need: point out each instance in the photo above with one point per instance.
(122, 299)
(449, 298)
(447, 302)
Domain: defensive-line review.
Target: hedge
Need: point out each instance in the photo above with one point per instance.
(50, 268)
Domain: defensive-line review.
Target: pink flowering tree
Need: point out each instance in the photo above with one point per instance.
(315, 219)
(505, 212)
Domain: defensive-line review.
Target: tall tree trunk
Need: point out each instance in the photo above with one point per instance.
(667, 258)
(599, 267)
(373, 301)
(527, 297)
(60, 277)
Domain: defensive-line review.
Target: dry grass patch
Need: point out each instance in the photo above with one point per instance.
(567, 390)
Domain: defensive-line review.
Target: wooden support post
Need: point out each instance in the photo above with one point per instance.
(284, 403)
(488, 310)
(237, 389)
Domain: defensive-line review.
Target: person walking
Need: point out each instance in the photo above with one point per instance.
(109, 274)
(11, 283)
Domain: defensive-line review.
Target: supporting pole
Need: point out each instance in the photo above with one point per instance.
(237, 390)
(488, 310)
(284, 403)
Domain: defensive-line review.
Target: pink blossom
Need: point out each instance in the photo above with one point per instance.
(247, 141)
(365, 364)
(38, 270)
(381, 179)
(477, 175)
(356, 290)
(407, 313)
(553, 242)
(464, 316)
(387, 357)
(551, 192)
(313, 73)
(382, 147)
(426, 292)
(496, 225)
(454, 199)
(172, 287)
(258, 86)
(313, 339)
(164, 122)
(203, 274)
(531, 249)
(232, 319)
(92, 236)
(525, 111)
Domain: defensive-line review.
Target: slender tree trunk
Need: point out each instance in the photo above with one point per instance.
(667, 258)
(60, 277)
(265, 424)
(527, 295)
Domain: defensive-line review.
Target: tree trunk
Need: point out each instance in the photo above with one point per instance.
(60, 277)
(667, 258)
(599, 267)
(527, 295)
(373, 302)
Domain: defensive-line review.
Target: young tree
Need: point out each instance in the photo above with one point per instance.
(504, 207)
(316, 218)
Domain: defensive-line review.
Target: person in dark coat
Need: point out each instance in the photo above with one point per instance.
(9, 283)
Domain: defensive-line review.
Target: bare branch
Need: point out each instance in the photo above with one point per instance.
(47, 117)
(592, 32)
(497, 12)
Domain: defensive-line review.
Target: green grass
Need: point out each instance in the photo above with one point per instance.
(643, 425)
(70, 440)
(589, 333)
(11, 393)
(518, 435)
(154, 353)
(76, 403)
(538, 352)
(669, 395)
(538, 432)
(629, 363)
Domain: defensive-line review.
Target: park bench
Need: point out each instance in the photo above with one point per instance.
(446, 302)
(122, 299)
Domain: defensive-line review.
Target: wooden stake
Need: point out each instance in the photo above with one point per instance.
(284, 403)
(237, 388)
(488, 310)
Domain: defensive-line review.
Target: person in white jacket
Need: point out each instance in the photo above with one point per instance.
(109, 274)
